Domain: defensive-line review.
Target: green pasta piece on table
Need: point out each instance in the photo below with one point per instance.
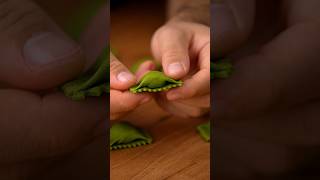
(92, 83)
(125, 135)
(204, 131)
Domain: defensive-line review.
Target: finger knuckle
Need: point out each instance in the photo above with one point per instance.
(197, 112)
(170, 30)
(115, 66)
(206, 103)
(126, 106)
(174, 55)
(190, 92)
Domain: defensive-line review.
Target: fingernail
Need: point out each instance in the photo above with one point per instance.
(145, 100)
(47, 47)
(124, 77)
(175, 68)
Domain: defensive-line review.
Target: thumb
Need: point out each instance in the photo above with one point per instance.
(35, 53)
(170, 45)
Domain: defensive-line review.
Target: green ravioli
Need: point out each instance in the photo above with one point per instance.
(155, 81)
(204, 131)
(125, 135)
(92, 83)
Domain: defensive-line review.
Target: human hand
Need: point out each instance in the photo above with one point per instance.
(121, 79)
(269, 107)
(37, 55)
(183, 48)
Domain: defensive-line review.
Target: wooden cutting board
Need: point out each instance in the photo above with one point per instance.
(178, 152)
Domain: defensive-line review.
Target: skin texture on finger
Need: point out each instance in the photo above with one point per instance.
(36, 53)
(120, 77)
(123, 102)
(198, 83)
(170, 45)
(231, 23)
(180, 109)
(199, 101)
(35, 127)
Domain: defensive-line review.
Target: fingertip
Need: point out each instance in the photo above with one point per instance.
(123, 80)
(144, 68)
(125, 77)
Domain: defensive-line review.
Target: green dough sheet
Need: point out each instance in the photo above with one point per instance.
(92, 83)
(155, 81)
(204, 131)
(125, 135)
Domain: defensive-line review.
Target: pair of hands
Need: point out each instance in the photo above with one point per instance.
(269, 108)
(183, 49)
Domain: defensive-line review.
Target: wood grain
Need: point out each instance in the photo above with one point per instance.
(177, 152)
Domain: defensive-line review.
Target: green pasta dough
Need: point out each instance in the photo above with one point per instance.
(204, 131)
(155, 81)
(125, 135)
(92, 83)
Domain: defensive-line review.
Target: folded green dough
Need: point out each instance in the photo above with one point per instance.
(155, 81)
(125, 135)
(92, 83)
(204, 131)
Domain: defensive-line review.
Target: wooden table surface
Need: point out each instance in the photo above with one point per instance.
(177, 152)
